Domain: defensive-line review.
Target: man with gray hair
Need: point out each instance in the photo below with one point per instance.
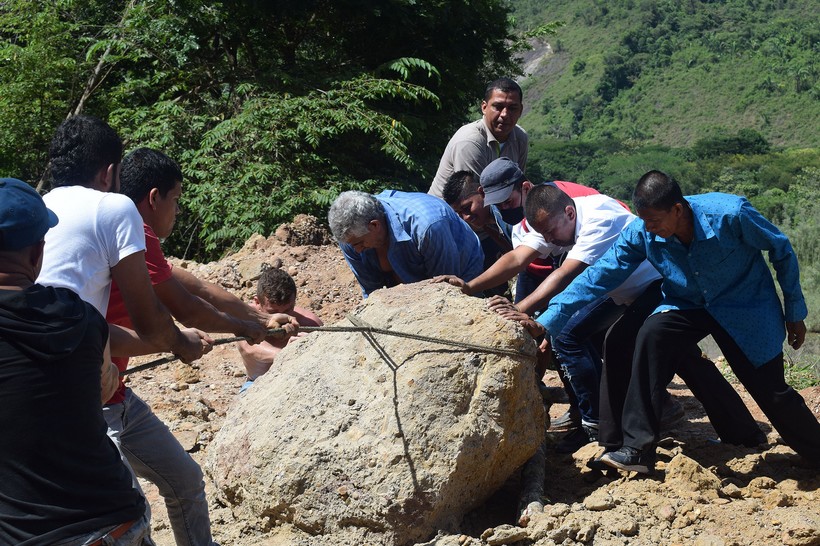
(399, 237)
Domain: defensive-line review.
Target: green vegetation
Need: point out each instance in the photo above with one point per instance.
(271, 108)
(801, 373)
(672, 73)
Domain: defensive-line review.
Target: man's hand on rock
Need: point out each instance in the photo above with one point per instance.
(453, 280)
(500, 303)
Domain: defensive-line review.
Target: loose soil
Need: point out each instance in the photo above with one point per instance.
(763, 489)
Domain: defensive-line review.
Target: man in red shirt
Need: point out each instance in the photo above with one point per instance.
(154, 182)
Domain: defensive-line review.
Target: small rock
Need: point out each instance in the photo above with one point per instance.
(709, 540)
(186, 374)
(684, 474)
(626, 526)
(776, 498)
(667, 512)
(599, 500)
(186, 438)
(758, 487)
(586, 533)
(732, 491)
(503, 534)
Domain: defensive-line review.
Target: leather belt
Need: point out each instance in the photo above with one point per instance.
(114, 533)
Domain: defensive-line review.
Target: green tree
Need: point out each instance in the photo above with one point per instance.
(271, 107)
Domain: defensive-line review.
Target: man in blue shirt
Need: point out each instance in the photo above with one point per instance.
(707, 249)
(398, 237)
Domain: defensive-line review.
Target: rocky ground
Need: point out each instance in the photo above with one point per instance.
(704, 493)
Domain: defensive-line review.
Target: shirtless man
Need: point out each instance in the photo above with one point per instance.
(275, 293)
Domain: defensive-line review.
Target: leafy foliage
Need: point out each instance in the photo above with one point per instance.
(674, 73)
(271, 108)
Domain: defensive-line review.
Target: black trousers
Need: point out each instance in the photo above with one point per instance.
(661, 341)
(726, 411)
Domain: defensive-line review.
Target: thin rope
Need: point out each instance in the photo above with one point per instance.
(277, 331)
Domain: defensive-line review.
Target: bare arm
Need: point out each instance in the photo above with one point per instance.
(152, 321)
(504, 269)
(219, 297)
(109, 375)
(257, 358)
(196, 312)
(552, 285)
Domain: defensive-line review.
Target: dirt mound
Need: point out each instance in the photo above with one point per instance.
(766, 496)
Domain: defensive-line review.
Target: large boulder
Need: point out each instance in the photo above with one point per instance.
(355, 444)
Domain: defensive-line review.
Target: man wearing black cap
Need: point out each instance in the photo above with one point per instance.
(502, 185)
(61, 477)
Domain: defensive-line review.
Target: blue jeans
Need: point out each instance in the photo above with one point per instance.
(578, 357)
(526, 285)
(246, 385)
(138, 535)
(154, 454)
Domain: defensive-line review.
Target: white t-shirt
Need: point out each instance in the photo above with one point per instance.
(599, 221)
(524, 234)
(95, 231)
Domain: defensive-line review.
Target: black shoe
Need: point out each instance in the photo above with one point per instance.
(571, 420)
(598, 464)
(631, 459)
(577, 439)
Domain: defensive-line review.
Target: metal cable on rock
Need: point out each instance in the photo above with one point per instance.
(277, 331)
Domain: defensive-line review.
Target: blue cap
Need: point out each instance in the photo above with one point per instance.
(24, 218)
(498, 179)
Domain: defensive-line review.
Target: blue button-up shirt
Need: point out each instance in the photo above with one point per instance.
(425, 238)
(722, 271)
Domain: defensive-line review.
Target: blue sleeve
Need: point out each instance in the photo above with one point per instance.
(758, 232)
(369, 279)
(605, 275)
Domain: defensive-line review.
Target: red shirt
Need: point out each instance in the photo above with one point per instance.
(160, 271)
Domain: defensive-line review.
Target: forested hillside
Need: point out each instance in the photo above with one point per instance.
(272, 108)
(675, 72)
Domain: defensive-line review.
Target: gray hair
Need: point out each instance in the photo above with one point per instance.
(351, 212)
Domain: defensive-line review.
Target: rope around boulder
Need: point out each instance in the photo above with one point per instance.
(279, 331)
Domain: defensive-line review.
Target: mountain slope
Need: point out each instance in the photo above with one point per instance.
(672, 73)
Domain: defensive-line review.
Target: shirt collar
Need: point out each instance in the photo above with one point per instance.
(703, 229)
(396, 230)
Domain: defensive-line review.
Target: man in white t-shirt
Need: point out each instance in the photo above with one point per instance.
(100, 238)
(586, 227)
